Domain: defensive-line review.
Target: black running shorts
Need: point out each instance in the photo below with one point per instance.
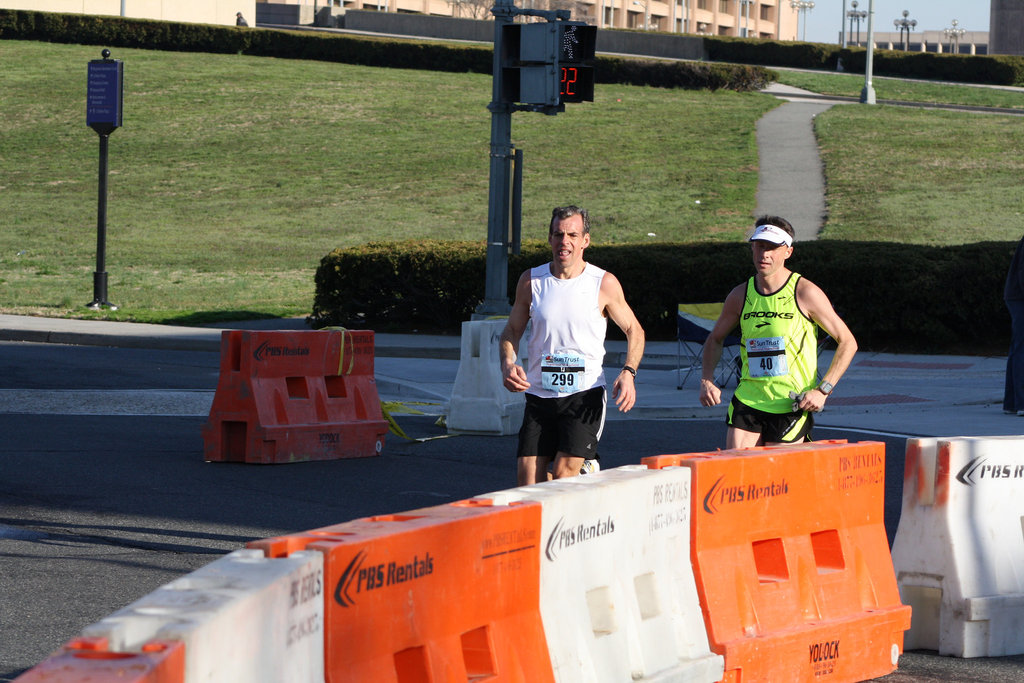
(773, 427)
(570, 424)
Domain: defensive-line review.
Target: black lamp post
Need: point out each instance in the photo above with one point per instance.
(856, 15)
(803, 6)
(905, 24)
(953, 36)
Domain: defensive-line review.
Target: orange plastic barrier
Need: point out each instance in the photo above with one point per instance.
(295, 396)
(792, 561)
(448, 593)
(89, 659)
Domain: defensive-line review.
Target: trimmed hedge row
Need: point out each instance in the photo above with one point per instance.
(348, 49)
(770, 52)
(891, 295)
(687, 75)
(990, 69)
(184, 37)
(410, 54)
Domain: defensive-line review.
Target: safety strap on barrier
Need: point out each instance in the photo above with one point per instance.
(388, 407)
(345, 337)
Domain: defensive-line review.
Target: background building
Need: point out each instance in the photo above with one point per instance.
(754, 18)
(970, 43)
(197, 11)
(770, 19)
(194, 11)
(1006, 27)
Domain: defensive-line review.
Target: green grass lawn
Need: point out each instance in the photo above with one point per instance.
(850, 85)
(925, 177)
(233, 175)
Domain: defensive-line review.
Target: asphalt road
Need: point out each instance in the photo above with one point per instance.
(104, 495)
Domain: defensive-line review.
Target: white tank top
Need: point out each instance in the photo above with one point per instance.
(565, 351)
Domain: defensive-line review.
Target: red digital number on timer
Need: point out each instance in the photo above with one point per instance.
(569, 77)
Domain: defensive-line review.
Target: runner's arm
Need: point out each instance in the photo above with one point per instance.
(710, 394)
(614, 304)
(813, 301)
(513, 376)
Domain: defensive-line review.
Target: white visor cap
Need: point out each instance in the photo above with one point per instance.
(773, 234)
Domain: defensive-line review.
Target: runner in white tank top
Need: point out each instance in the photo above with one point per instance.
(568, 302)
(566, 340)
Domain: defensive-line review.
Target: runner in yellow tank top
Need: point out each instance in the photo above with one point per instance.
(780, 356)
(779, 353)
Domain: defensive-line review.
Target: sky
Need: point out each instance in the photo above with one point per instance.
(931, 15)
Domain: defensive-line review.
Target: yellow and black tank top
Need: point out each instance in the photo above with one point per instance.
(780, 348)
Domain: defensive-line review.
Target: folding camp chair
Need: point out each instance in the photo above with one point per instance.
(693, 324)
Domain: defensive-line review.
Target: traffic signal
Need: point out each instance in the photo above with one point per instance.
(548, 63)
(576, 54)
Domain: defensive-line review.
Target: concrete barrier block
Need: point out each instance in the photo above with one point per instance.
(243, 617)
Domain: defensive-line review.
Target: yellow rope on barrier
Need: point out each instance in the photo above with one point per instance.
(388, 407)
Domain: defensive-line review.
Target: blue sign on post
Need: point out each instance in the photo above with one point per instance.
(103, 99)
(103, 115)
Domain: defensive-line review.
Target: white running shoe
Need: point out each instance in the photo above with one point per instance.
(590, 467)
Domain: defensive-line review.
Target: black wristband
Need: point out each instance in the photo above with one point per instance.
(630, 370)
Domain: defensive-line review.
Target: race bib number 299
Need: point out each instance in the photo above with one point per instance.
(563, 372)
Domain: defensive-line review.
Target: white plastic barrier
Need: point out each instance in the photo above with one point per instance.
(480, 403)
(959, 547)
(243, 617)
(618, 598)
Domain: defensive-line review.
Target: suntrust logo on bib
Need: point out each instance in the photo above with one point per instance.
(763, 344)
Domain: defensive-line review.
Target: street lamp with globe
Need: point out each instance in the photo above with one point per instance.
(803, 6)
(905, 24)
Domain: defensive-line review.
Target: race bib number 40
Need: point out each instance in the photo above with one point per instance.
(767, 357)
(563, 372)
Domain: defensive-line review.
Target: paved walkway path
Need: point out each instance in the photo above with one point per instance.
(791, 181)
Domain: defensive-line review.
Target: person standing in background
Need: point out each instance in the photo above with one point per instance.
(1013, 296)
